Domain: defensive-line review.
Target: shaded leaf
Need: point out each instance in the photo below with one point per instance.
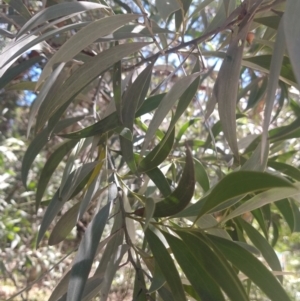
(216, 266)
(251, 267)
(181, 196)
(56, 11)
(39, 142)
(49, 168)
(166, 265)
(263, 246)
(202, 282)
(85, 255)
(158, 154)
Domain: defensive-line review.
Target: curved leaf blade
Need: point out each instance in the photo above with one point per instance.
(82, 77)
(239, 183)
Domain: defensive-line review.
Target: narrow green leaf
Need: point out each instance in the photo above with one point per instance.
(200, 279)
(49, 168)
(84, 38)
(42, 94)
(166, 104)
(286, 169)
(226, 87)
(166, 8)
(201, 175)
(19, 6)
(275, 69)
(218, 268)
(64, 226)
(263, 246)
(39, 142)
(160, 181)
(82, 77)
(251, 267)
(296, 214)
(263, 198)
(139, 290)
(181, 196)
(166, 265)
(184, 128)
(57, 202)
(56, 11)
(158, 154)
(239, 183)
(158, 279)
(86, 253)
(262, 63)
(117, 88)
(270, 21)
(285, 208)
(134, 95)
(11, 73)
(18, 47)
(111, 121)
(150, 104)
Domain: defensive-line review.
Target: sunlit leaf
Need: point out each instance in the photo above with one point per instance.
(239, 183)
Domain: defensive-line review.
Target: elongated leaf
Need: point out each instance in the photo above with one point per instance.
(160, 181)
(296, 214)
(181, 196)
(216, 266)
(286, 169)
(56, 11)
(201, 175)
(18, 47)
(84, 38)
(239, 183)
(291, 24)
(42, 94)
(252, 268)
(166, 265)
(166, 8)
(275, 69)
(158, 154)
(86, 253)
(62, 286)
(158, 279)
(166, 104)
(202, 282)
(82, 77)
(73, 182)
(263, 62)
(262, 199)
(226, 87)
(263, 246)
(10, 74)
(285, 208)
(134, 96)
(39, 142)
(64, 226)
(19, 6)
(49, 168)
(111, 121)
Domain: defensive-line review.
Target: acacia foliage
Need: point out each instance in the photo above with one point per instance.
(193, 195)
